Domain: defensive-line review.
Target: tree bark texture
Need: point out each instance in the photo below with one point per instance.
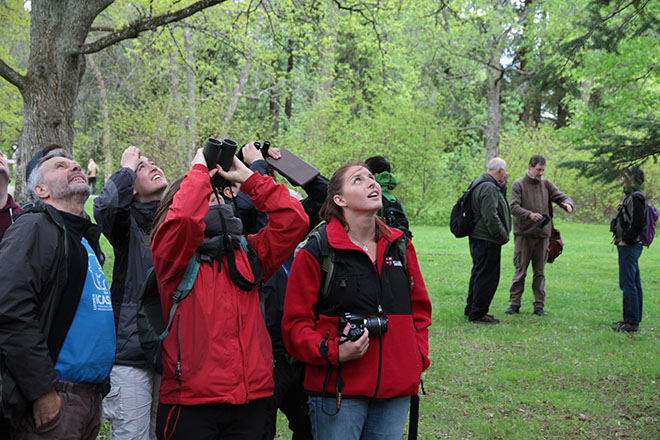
(52, 81)
(288, 102)
(191, 119)
(103, 98)
(492, 133)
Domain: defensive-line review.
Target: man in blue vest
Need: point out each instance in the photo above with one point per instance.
(56, 323)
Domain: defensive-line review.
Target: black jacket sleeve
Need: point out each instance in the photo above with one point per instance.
(317, 190)
(253, 219)
(112, 206)
(28, 256)
(631, 234)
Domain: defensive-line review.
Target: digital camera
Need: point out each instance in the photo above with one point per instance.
(375, 324)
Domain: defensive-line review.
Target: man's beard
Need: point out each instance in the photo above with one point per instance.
(75, 193)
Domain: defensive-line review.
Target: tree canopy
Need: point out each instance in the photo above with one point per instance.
(437, 87)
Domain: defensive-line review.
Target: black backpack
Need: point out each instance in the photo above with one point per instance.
(393, 216)
(461, 219)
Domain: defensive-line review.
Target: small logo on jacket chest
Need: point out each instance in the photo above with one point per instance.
(390, 261)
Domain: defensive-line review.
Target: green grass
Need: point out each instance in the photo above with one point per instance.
(567, 375)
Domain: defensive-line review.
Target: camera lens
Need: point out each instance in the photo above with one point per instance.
(376, 325)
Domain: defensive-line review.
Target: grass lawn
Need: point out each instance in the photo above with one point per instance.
(567, 375)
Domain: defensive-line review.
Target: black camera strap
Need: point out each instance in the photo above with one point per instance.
(339, 382)
(236, 276)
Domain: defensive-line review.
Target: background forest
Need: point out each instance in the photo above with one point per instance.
(436, 86)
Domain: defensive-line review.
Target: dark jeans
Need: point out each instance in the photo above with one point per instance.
(630, 282)
(484, 278)
(79, 417)
(290, 399)
(213, 421)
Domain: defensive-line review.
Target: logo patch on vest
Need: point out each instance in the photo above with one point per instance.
(392, 262)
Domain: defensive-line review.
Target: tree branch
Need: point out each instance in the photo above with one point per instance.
(473, 127)
(11, 75)
(519, 71)
(146, 24)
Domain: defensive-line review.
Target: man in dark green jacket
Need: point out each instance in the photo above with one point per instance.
(491, 231)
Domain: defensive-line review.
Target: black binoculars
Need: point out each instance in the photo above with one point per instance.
(220, 152)
(263, 148)
(544, 221)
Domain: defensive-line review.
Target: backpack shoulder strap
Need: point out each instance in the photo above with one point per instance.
(253, 259)
(318, 246)
(550, 207)
(183, 289)
(474, 186)
(402, 243)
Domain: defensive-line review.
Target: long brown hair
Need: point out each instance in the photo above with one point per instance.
(164, 205)
(330, 209)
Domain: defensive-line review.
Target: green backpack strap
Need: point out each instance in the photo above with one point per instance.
(182, 290)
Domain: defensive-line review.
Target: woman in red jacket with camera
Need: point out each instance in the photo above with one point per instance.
(362, 332)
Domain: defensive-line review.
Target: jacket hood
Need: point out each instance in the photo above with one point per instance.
(386, 180)
(11, 204)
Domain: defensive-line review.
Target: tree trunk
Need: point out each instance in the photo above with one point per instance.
(52, 81)
(563, 114)
(191, 120)
(492, 133)
(288, 103)
(328, 53)
(274, 114)
(233, 102)
(536, 113)
(180, 139)
(105, 114)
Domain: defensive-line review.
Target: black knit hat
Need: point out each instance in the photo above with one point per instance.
(38, 155)
(378, 164)
(635, 174)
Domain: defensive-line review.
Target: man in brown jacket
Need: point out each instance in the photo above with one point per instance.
(530, 205)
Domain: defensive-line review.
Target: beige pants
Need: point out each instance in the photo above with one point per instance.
(528, 249)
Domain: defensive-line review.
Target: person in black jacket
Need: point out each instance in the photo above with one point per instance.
(125, 210)
(289, 373)
(57, 334)
(626, 227)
